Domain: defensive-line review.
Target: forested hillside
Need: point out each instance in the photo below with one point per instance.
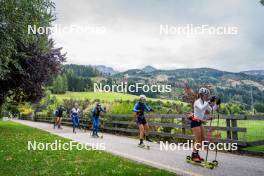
(241, 88)
(74, 78)
(245, 89)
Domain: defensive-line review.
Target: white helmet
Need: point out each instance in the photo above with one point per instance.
(204, 91)
(142, 97)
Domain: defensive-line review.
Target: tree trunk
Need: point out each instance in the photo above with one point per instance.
(1, 104)
(1, 115)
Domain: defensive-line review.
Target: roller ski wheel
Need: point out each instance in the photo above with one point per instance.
(188, 159)
(210, 165)
(215, 163)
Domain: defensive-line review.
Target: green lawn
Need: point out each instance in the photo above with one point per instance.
(15, 159)
(107, 96)
(254, 129)
(255, 132)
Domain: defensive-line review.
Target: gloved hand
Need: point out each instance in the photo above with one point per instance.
(218, 101)
(212, 99)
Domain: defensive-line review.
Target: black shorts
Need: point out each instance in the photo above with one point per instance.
(58, 117)
(194, 124)
(141, 121)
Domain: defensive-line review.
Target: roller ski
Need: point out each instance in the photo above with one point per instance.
(95, 135)
(202, 163)
(142, 145)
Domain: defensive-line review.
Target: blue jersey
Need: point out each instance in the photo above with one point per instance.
(140, 108)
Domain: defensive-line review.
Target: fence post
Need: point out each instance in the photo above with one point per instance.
(228, 133)
(183, 125)
(234, 133)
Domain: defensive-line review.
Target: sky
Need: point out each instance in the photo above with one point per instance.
(127, 34)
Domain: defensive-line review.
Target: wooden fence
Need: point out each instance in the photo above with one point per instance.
(170, 126)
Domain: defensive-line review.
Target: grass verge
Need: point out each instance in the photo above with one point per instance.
(16, 159)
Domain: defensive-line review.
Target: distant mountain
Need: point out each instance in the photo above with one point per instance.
(108, 71)
(149, 69)
(254, 72)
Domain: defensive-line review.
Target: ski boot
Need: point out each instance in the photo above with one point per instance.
(196, 157)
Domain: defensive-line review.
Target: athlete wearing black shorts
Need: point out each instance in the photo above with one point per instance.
(59, 115)
(140, 108)
(195, 123)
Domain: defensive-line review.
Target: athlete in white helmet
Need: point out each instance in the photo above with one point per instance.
(200, 107)
(142, 97)
(204, 91)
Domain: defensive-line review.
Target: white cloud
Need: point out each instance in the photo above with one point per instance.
(132, 38)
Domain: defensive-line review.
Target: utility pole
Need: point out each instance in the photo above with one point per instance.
(125, 81)
(252, 101)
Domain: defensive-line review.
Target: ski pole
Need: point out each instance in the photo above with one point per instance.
(145, 131)
(82, 119)
(216, 136)
(208, 138)
(103, 122)
(102, 128)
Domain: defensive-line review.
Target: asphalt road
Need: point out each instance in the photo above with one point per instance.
(172, 160)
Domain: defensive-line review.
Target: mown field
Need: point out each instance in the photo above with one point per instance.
(254, 132)
(16, 159)
(254, 129)
(105, 96)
